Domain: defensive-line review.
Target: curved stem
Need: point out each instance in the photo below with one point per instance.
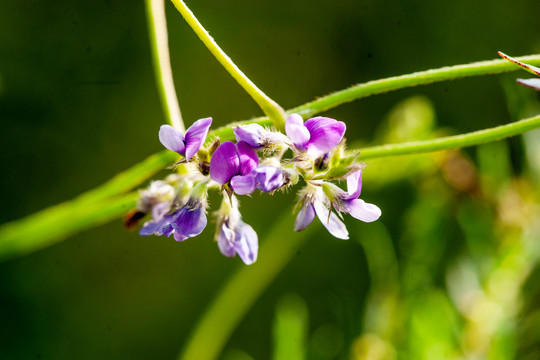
(242, 290)
(270, 107)
(418, 78)
(157, 27)
(451, 142)
(53, 224)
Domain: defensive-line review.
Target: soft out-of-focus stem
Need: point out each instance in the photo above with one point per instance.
(242, 290)
(409, 80)
(157, 27)
(269, 106)
(53, 224)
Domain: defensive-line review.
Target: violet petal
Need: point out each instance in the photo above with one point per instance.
(297, 132)
(179, 237)
(268, 178)
(362, 210)
(172, 139)
(330, 221)
(248, 158)
(325, 134)
(246, 243)
(225, 163)
(305, 216)
(167, 230)
(251, 134)
(243, 185)
(190, 222)
(354, 185)
(225, 241)
(196, 136)
(149, 228)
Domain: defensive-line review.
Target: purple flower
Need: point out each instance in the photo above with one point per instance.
(235, 236)
(187, 145)
(158, 227)
(185, 222)
(533, 83)
(233, 164)
(190, 221)
(316, 136)
(320, 201)
(268, 178)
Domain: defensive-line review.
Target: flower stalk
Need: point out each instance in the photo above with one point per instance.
(267, 105)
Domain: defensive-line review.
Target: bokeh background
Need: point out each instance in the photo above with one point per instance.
(450, 269)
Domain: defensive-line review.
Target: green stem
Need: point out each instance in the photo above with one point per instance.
(157, 27)
(400, 82)
(53, 224)
(451, 142)
(242, 290)
(270, 107)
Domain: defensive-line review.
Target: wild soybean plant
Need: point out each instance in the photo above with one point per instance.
(178, 204)
(256, 161)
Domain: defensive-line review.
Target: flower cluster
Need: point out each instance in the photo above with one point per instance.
(178, 205)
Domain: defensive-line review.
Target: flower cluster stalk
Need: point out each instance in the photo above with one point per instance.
(268, 106)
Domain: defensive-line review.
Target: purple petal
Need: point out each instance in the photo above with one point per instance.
(354, 185)
(167, 230)
(179, 237)
(189, 222)
(225, 163)
(196, 136)
(297, 132)
(362, 210)
(149, 228)
(172, 139)
(246, 243)
(330, 221)
(268, 178)
(305, 216)
(325, 134)
(225, 241)
(248, 158)
(532, 83)
(243, 185)
(251, 134)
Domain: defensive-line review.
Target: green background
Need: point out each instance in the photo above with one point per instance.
(78, 104)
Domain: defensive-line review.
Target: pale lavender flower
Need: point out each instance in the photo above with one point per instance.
(350, 203)
(232, 164)
(533, 83)
(235, 236)
(258, 137)
(317, 201)
(187, 145)
(316, 136)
